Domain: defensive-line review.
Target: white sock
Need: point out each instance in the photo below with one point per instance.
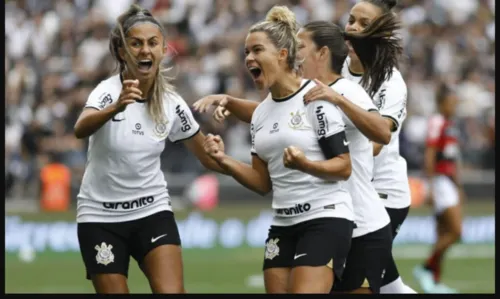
(397, 287)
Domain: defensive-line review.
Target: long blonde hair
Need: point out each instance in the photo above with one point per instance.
(281, 27)
(161, 85)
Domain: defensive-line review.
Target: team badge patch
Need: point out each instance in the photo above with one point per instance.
(104, 254)
(272, 249)
(297, 121)
(161, 129)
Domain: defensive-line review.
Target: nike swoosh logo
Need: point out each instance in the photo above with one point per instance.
(117, 120)
(299, 255)
(157, 238)
(346, 143)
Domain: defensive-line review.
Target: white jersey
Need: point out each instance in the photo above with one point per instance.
(369, 211)
(123, 180)
(280, 123)
(390, 176)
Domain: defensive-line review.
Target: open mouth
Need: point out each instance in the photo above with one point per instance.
(255, 71)
(145, 65)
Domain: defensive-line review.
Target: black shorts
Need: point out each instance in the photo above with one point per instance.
(316, 242)
(366, 262)
(107, 247)
(397, 216)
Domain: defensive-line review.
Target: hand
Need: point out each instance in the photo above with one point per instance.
(214, 147)
(220, 114)
(203, 104)
(130, 93)
(294, 158)
(322, 92)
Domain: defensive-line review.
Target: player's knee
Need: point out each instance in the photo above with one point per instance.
(110, 284)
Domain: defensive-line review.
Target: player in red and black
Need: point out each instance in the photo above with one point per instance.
(445, 188)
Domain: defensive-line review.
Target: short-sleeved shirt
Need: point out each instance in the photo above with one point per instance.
(123, 180)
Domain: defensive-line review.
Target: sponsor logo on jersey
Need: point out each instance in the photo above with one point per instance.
(137, 130)
(185, 121)
(380, 100)
(297, 210)
(322, 121)
(275, 129)
(104, 100)
(129, 205)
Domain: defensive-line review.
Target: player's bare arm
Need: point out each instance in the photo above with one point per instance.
(377, 147)
(370, 123)
(195, 145)
(240, 108)
(255, 177)
(91, 119)
(335, 169)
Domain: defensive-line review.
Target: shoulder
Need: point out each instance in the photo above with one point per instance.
(348, 86)
(395, 83)
(112, 85)
(262, 109)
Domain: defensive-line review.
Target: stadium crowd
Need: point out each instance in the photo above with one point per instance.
(57, 51)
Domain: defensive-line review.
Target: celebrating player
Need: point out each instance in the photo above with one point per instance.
(124, 207)
(301, 154)
(386, 86)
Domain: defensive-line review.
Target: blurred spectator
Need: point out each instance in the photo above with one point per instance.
(57, 51)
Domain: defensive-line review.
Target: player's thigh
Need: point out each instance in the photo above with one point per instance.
(106, 255)
(278, 258)
(450, 220)
(321, 254)
(156, 247)
(366, 262)
(446, 194)
(397, 217)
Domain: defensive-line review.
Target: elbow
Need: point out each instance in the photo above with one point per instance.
(78, 131)
(346, 172)
(265, 190)
(383, 135)
(386, 137)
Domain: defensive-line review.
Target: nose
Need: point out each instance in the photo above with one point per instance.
(145, 49)
(249, 58)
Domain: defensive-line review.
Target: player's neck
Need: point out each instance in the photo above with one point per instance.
(328, 77)
(355, 66)
(286, 85)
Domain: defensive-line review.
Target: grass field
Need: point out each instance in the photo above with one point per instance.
(469, 268)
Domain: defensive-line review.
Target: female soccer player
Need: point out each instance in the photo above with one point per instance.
(324, 52)
(441, 157)
(386, 86)
(301, 154)
(124, 207)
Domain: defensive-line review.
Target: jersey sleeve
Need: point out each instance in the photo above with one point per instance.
(360, 97)
(184, 125)
(99, 98)
(392, 101)
(326, 119)
(434, 127)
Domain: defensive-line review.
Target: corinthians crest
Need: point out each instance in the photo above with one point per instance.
(297, 121)
(104, 255)
(160, 129)
(272, 249)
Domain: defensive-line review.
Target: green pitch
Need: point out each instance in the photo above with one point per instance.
(212, 271)
(468, 268)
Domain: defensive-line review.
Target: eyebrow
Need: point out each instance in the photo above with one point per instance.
(254, 46)
(141, 39)
(361, 18)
